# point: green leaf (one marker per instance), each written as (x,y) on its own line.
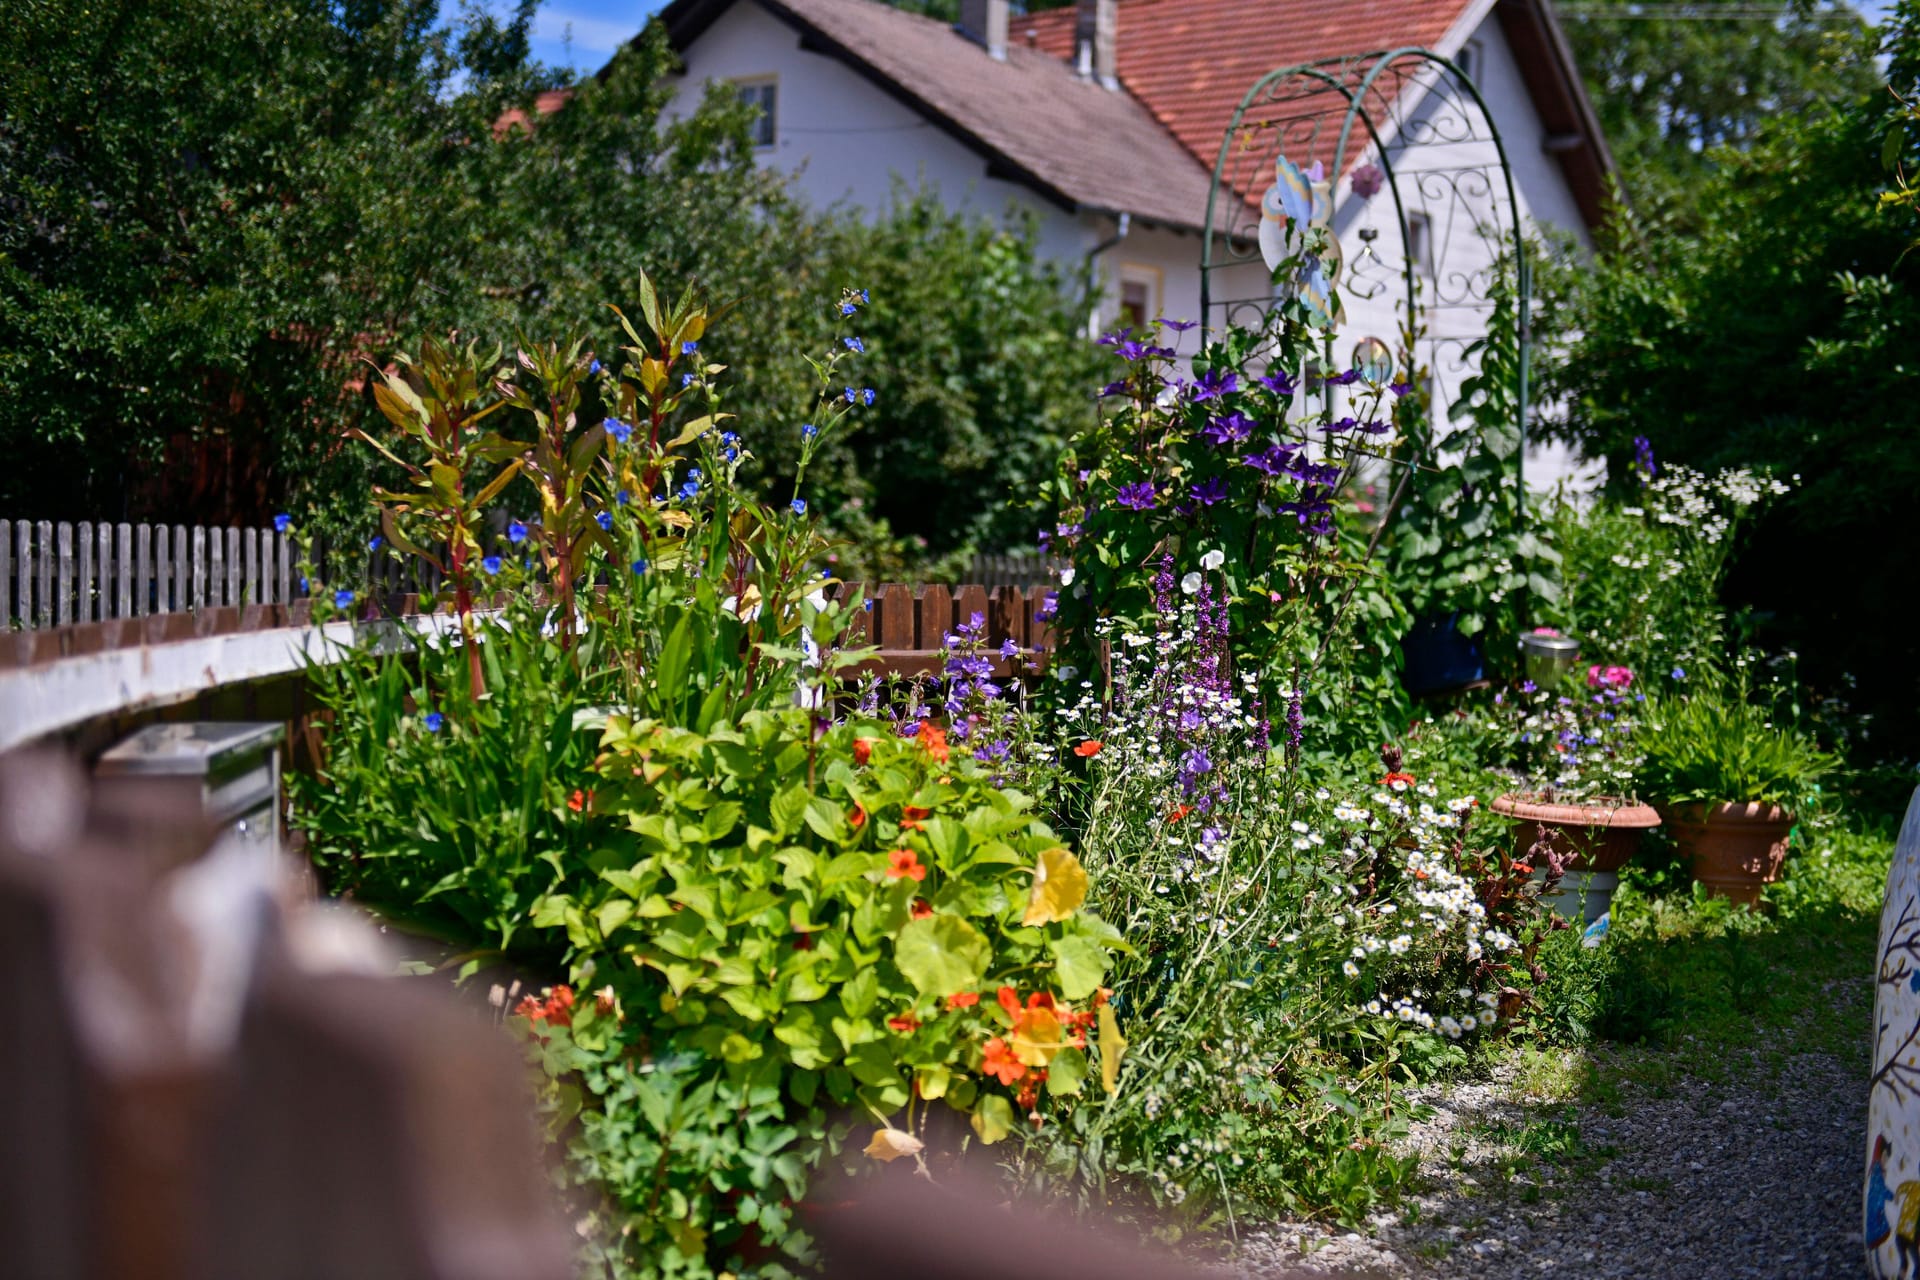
(942,955)
(1079,965)
(859,993)
(993,1118)
(789,808)
(1067,1072)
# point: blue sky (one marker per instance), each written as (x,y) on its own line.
(598,27)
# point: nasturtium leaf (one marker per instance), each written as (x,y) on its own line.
(1079,964)
(889,1145)
(1112,1047)
(1067,1072)
(941,954)
(859,993)
(993,1118)
(961,1093)
(933,1082)
(1059,887)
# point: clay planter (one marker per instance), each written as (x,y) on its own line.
(1593,835)
(1734,848)
(1596,837)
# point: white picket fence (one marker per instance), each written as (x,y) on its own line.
(56,574)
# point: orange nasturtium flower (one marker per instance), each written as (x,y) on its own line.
(856,817)
(922,909)
(579,800)
(963,1000)
(905,862)
(1001,1064)
(862,750)
(1179,812)
(914,818)
(1088,749)
(905,1024)
(934,739)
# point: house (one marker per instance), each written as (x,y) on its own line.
(1104,121)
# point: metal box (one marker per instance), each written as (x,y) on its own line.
(232,769)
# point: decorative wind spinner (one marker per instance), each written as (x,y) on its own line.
(1298,200)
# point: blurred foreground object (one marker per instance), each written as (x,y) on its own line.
(207,1076)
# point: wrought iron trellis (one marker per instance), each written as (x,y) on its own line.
(1443,174)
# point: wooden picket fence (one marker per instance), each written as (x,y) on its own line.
(59,574)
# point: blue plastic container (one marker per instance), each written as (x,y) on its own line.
(1438,658)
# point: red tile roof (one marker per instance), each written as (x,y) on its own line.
(1191,61)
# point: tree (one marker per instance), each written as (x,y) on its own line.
(1673,80)
(1777,327)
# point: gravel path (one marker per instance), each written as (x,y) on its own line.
(1757,1175)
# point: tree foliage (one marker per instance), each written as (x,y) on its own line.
(1778,327)
(219,213)
(1672,81)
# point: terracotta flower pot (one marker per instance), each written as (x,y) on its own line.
(1734,848)
(1593,835)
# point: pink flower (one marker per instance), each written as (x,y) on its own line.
(1545,631)
(1608,677)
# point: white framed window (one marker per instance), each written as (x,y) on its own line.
(1420,243)
(763,94)
(1140,293)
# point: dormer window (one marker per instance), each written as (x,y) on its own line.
(763,94)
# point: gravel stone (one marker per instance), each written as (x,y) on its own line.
(1758,1176)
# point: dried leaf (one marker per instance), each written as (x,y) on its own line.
(889,1145)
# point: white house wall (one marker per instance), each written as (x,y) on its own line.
(846,141)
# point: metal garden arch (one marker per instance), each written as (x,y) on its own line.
(1419,122)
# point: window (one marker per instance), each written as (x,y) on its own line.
(1468,60)
(763,95)
(1139,296)
(1420,243)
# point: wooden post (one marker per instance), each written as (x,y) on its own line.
(283,561)
(162,571)
(197,589)
(216,562)
(935,617)
(969,600)
(1007,616)
(124,575)
(63,586)
(895,605)
(233,566)
(83,596)
(250,575)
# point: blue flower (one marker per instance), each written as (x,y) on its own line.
(622,498)
(491,564)
(639,566)
(847,308)
(866,397)
(618,430)
(864,297)
(686,379)
(304,586)
(1677,674)
(854,344)
(373,543)
(593,366)
(688,348)
(851,395)
(809,431)
(282,522)
(516,531)
(799,506)
(692,485)
(433,722)
(605,521)
(342,598)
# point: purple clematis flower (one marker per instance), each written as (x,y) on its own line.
(1210,491)
(1278,383)
(1136,497)
(1232,429)
(1213,384)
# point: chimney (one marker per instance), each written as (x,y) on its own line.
(985,23)
(1096,40)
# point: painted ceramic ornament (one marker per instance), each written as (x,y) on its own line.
(1892,1188)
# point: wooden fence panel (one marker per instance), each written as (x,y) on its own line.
(896,607)
(6,575)
(63,574)
(83,597)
